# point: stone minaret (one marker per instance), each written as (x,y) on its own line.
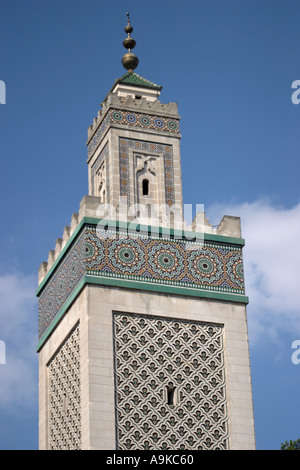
(143,339)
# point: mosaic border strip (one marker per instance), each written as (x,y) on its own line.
(211,267)
(62,283)
(145,121)
(133,119)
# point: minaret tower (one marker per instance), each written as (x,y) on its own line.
(143,339)
(134,147)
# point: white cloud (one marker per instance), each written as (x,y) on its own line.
(272,264)
(18,330)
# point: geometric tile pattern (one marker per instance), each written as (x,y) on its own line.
(64,396)
(133,119)
(145,121)
(170,384)
(209,266)
(62,283)
(145,146)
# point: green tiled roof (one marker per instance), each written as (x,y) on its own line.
(132,78)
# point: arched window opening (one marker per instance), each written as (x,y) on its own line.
(145,187)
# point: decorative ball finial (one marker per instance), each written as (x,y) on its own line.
(128,28)
(129,60)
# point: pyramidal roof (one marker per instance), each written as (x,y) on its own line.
(132,78)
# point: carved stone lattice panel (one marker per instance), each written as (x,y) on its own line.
(64,396)
(170,384)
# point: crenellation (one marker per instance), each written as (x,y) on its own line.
(66,235)
(89,206)
(230,226)
(130,103)
(90,131)
(51,258)
(42,271)
(58,246)
(74,222)
(201,223)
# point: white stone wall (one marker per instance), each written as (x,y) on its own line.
(93,309)
(103,301)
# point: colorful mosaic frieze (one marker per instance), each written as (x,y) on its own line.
(211,266)
(145,121)
(170,384)
(62,283)
(143,146)
(133,119)
(140,261)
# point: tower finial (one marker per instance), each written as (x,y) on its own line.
(129,60)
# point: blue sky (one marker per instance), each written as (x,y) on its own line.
(230,66)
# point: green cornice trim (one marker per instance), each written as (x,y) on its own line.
(140,229)
(162,288)
(140,286)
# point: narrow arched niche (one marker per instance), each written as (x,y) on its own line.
(145,186)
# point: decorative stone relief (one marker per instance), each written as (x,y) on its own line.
(170,384)
(146,147)
(64,412)
(100,175)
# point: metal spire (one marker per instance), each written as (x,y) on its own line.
(129,60)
